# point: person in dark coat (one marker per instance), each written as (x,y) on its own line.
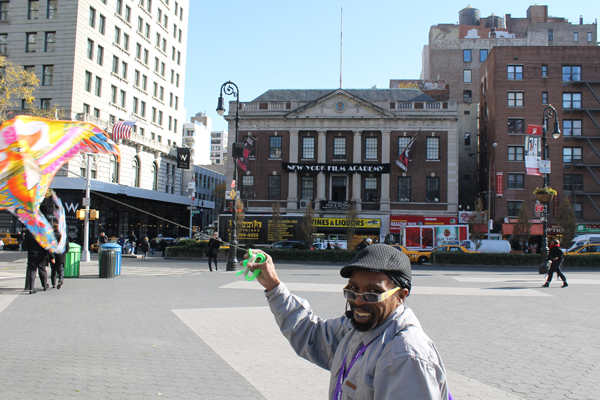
(37,259)
(20,238)
(555,255)
(57,263)
(211,252)
(145,247)
(133,239)
(153,245)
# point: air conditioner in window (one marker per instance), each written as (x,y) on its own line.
(303,203)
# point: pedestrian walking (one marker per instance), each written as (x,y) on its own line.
(375,350)
(37,259)
(555,255)
(133,239)
(20,240)
(1,246)
(57,263)
(211,252)
(145,247)
(361,245)
(102,239)
(153,246)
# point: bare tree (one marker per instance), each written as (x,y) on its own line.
(567,221)
(476,220)
(351,217)
(276,225)
(239,214)
(307,230)
(522,228)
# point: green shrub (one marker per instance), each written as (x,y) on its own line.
(451,257)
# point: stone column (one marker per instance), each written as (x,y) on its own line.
(321,159)
(356,179)
(384,202)
(292,200)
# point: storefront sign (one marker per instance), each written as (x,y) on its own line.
(499,184)
(588,228)
(397,222)
(183,158)
(340,168)
(508,220)
(343,222)
(335,205)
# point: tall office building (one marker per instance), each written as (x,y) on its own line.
(103,61)
(456,52)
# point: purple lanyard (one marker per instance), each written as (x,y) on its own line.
(344,373)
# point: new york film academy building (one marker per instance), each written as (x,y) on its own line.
(334,147)
(517,84)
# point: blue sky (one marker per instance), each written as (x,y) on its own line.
(283,44)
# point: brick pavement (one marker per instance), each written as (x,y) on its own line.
(171,329)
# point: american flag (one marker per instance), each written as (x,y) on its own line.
(122,130)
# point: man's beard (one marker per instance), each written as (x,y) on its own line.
(365,326)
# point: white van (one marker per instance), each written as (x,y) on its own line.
(494,246)
(584,239)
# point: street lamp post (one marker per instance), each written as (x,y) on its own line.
(549,113)
(231,88)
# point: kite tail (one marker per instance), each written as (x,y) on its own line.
(41,229)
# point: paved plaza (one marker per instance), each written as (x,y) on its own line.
(172,329)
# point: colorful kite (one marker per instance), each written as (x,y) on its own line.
(31,152)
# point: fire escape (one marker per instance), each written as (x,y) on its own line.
(592,137)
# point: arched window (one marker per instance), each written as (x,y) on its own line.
(114,169)
(135,167)
(154,176)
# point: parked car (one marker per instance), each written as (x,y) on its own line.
(332,245)
(414,255)
(585,249)
(288,244)
(10,240)
(494,246)
(452,247)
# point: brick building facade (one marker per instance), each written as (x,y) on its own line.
(334,147)
(516,85)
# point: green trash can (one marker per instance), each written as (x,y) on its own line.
(72,260)
(107,262)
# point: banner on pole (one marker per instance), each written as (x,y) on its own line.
(533,151)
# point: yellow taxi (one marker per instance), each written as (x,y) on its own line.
(452,247)
(95,246)
(10,240)
(414,255)
(585,249)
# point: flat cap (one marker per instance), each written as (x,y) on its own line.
(380,258)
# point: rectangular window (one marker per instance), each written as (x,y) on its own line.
(119,8)
(100,55)
(515,99)
(571,73)
(176,102)
(578,209)
(4,10)
(126,41)
(371,148)
(589,36)
(98,88)
(140,25)
(370,190)
(274,187)
(113,94)
(514,72)
(308,148)
(516,153)
(572,182)
(92,21)
(160,118)
(544,97)
(467,139)
(576,36)
(550,35)
(88,81)
(147,31)
(514,207)
(403,141)
(52,9)
(135,105)
(247,186)
(143,109)
(467,96)
(154,114)
(138,51)
(3,42)
(102,24)
(136,78)
(124,70)
(307,187)
(124,99)
(275,147)
(45,103)
(96,112)
(544,71)
(467,76)
(34,9)
(86,108)
(127,13)
(339,148)
(516,126)
(404,188)
(31,44)
(516,181)
(90,49)
(144,83)
(571,100)
(483,53)
(47,75)
(432,194)
(50,42)
(572,154)
(433,148)
(145,56)
(466,55)
(117,35)
(115,65)
(572,127)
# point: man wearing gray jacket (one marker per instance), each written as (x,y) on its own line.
(377,350)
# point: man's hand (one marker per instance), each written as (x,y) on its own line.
(267,277)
